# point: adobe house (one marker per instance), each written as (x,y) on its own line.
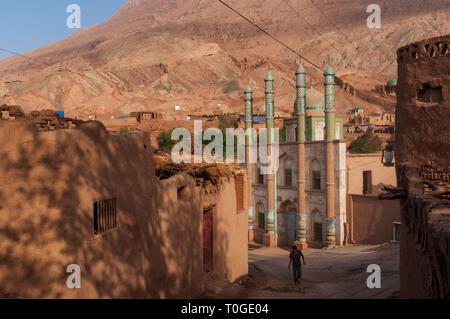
(87,197)
(370,220)
(224,206)
(225,227)
(146,116)
(422,153)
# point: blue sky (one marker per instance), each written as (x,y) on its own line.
(29,24)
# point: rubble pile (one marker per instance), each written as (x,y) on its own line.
(45,120)
(49,120)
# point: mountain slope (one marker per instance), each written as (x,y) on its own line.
(154,54)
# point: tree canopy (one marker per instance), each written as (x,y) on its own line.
(367,143)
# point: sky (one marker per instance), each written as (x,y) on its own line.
(26,25)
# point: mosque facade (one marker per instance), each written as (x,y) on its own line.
(304,201)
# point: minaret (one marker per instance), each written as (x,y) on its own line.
(248,99)
(300,109)
(269,236)
(330,123)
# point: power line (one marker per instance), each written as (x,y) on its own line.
(337,28)
(23,56)
(331,21)
(270,35)
(311,26)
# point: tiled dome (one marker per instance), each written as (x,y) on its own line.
(315,101)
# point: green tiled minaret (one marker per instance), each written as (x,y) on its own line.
(300,109)
(330,123)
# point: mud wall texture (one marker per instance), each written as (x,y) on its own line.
(49,182)
(230,232)
(371,219)
(425,241)
(422,153)
(423,105)
(358,163)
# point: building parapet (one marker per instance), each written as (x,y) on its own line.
(426,49)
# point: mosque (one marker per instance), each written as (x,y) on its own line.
(304,201)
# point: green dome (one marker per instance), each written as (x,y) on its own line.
(392,82)
(315,100)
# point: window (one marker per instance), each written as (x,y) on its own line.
(239,188)
(288,177)
(315,176)
(105,217)
(367,182)
(261,221)
(260,177)
(396,231)
(428,94)
(316,180)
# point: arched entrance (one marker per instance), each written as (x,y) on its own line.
(287,214)
(316,227)
(260,222)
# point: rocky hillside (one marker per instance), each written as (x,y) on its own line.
(155,54)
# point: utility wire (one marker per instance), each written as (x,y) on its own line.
(270,35)
(311,26)
(23,56)
(331,21)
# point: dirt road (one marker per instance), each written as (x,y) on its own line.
(334,273)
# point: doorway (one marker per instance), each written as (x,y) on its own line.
(317,232)
(208,240)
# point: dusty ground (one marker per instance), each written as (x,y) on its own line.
(335,273)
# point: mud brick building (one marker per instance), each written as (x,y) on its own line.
(88,197)
(422,152)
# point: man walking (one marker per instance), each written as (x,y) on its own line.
(294,260)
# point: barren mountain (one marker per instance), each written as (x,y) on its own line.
(198,54)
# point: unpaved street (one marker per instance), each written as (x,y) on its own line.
(329,273)
(334,273)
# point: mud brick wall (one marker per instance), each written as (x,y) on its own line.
(425,242)
(423,104)
(422,152)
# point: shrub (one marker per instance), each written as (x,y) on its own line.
(164,140)
(367,143)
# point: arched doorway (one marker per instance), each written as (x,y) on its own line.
(316,226)
(260,222)
(287,214)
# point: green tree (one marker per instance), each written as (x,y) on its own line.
(367,143)
(224,123)
(164,140)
